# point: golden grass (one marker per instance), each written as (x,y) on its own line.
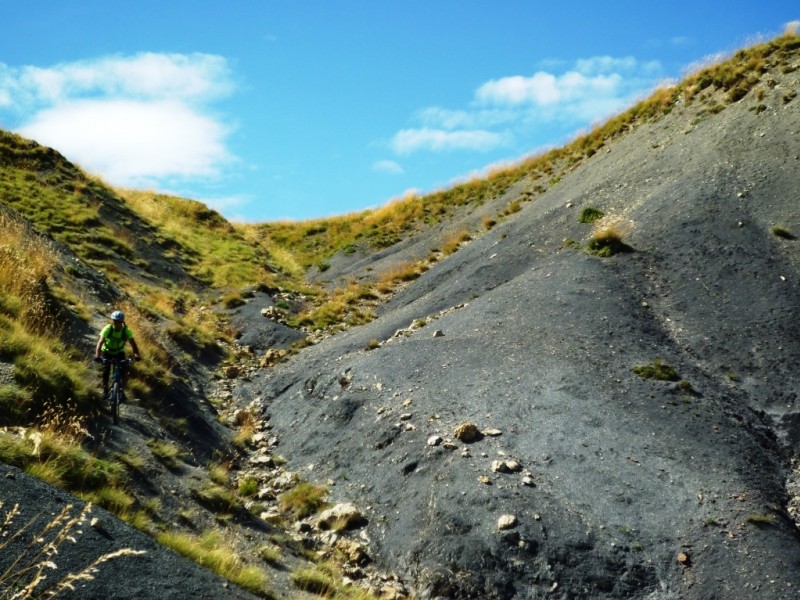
(213,551)
(26,262)
(302,500)
(453,241)
(246,423)
(30,574)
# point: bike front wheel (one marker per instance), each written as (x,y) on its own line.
(114,397)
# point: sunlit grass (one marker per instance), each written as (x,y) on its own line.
(212,551)
(302,500)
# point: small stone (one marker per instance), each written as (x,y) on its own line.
(467,432)
(438,333)
(528,480)
(513,466)
(492,432)
(435,440)
(684,560)
(406,416)
(499,466)
(506,522)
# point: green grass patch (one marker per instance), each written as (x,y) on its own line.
(167,453)
(302,500)
(590,215)
(213,552)
(657,369)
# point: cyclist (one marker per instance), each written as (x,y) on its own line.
(112,345)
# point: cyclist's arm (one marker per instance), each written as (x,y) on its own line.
(135,348)
(97,348)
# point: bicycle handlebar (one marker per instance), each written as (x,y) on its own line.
(111,361)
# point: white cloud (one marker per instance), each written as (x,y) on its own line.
(596,77)
(388,166)
(411,140)
(134,120)
(193,77)
(436,117)
(562,99)
(604,64)
(541,88)
(130,141)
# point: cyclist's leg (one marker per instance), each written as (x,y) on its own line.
(123,379)
(106,373)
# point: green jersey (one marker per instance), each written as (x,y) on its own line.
(113,340)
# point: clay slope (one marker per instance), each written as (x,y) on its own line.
(628,487)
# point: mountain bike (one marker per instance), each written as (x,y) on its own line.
(115,392)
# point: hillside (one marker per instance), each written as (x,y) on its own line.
(629,383)
(629,486)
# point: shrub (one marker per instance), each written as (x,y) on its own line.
(590,215)
(657,369)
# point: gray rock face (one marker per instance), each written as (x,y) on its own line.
(632,487)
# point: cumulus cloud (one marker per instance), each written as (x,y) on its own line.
(388,166)
(411,140)
(541,88)
(132,140)
(132,119)
(509,109)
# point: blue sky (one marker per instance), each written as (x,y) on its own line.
(272,109)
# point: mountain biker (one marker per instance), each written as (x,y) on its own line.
(112,346)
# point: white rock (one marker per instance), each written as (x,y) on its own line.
(513,466)
(499,466)
(506,522)
(435,440)
(342,516)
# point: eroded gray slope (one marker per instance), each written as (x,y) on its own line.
(629,473)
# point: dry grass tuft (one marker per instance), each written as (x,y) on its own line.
(26,577)
(607,237)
